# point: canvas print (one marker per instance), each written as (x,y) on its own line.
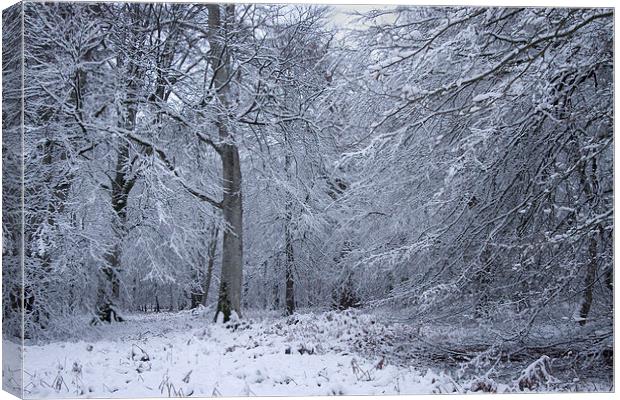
(207,200)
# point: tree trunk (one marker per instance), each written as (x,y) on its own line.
(288,248)
(109,282)
(583,308)
(109,279)
(609,278)
(172,299)
(134,294)
(290,284)
(229,299)
(210,262)
(585,304)
(483,280)
(276,296)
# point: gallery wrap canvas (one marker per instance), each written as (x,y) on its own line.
(208,200)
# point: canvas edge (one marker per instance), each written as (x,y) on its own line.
(12,200)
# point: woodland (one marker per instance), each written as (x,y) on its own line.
(444,171)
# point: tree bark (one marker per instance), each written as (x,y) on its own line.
(210,262)
(288,247)
(609,278)
(229,299)
(586,300)
(585,304)
(290,290)
(483,279)
(121,185)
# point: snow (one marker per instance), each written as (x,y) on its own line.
(410,92)
(537,373)
(316,353)
(486,96)
(185,354)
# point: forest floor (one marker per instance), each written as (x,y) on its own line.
(328,353)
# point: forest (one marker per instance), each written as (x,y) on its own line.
(426,187)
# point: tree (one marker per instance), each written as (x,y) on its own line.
(504,112)
(229,300)
(449,163)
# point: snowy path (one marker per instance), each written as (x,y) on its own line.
(185,354)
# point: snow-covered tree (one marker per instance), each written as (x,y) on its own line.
(492,143)
(450,163)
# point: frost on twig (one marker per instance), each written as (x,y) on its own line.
(537,374)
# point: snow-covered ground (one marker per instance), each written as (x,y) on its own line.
(185,354)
